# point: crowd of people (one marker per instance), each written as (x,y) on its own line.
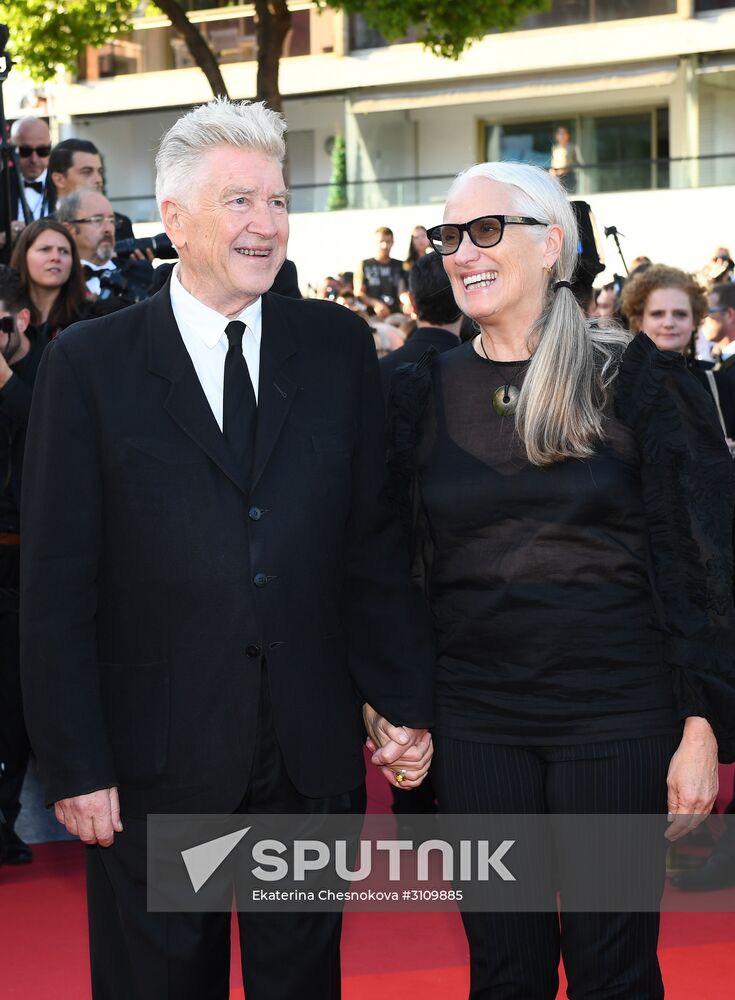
(219,566)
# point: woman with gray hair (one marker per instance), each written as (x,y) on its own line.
(558,475)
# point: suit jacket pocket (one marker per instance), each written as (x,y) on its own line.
(136,702)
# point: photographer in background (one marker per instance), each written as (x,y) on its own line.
(20,352)
(89,218)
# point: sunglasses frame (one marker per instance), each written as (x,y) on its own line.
(464,227)
(30,150)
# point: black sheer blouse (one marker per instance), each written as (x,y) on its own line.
(563,606)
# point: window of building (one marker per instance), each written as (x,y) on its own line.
(559,13)
(618,152)
(701,6)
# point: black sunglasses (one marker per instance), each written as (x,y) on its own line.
(487,231)
(25,151)
(7,324)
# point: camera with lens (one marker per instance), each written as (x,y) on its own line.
(130,283)
(160,246)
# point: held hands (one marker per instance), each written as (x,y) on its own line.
(398,750)
(692,779)
(94,818)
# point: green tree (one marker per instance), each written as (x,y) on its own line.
(338,181)
(46,34)
(445,27)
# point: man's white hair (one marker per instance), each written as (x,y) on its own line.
(244,124)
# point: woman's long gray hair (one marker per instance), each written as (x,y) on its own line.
(559,412)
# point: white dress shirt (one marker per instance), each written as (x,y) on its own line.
(34,199)
(93,283)
(203,332)
(728,350)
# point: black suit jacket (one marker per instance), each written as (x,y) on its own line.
(154,577)
(414,349)
(48,195)
(725,381)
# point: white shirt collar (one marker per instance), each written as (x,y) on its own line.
(110,265)
(728,350)
(208,323)
(41,179)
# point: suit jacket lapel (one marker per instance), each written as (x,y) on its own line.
(276,390)
(186,402)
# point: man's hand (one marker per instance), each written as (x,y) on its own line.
(692,779)
(94,818)
(398,750)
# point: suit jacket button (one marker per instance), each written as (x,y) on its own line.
(255,513)
(260,579)
(252,651)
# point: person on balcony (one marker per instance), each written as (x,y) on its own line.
(566,158)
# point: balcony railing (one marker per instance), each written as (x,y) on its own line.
(594,178)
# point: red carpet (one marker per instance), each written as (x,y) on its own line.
(390,956)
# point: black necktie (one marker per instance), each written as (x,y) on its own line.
(36,185)
(239,409)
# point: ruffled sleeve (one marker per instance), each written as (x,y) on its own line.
(408,399)
(688,484)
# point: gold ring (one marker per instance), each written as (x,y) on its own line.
(401,775)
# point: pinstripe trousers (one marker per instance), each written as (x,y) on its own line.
(515,956)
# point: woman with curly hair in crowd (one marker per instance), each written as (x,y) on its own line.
(668,306)
(46,258)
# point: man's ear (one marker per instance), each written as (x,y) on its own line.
(58,179)
(172,216)
(22,320)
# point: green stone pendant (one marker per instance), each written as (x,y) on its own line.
(505,400)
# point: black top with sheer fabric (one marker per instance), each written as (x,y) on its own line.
(539,584)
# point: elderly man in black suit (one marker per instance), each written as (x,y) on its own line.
(213,587)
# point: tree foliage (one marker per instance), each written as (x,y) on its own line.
(445,27)
(46,34)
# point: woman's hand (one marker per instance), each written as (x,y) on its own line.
(399,752)
(692,779)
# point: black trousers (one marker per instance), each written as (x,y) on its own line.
(136,955)
(14,745)
(515,956)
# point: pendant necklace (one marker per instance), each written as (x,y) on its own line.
(505,398)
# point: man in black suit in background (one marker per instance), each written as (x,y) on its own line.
(719,329)
(31,196)
(213,587)
(75,164)
(438,318)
